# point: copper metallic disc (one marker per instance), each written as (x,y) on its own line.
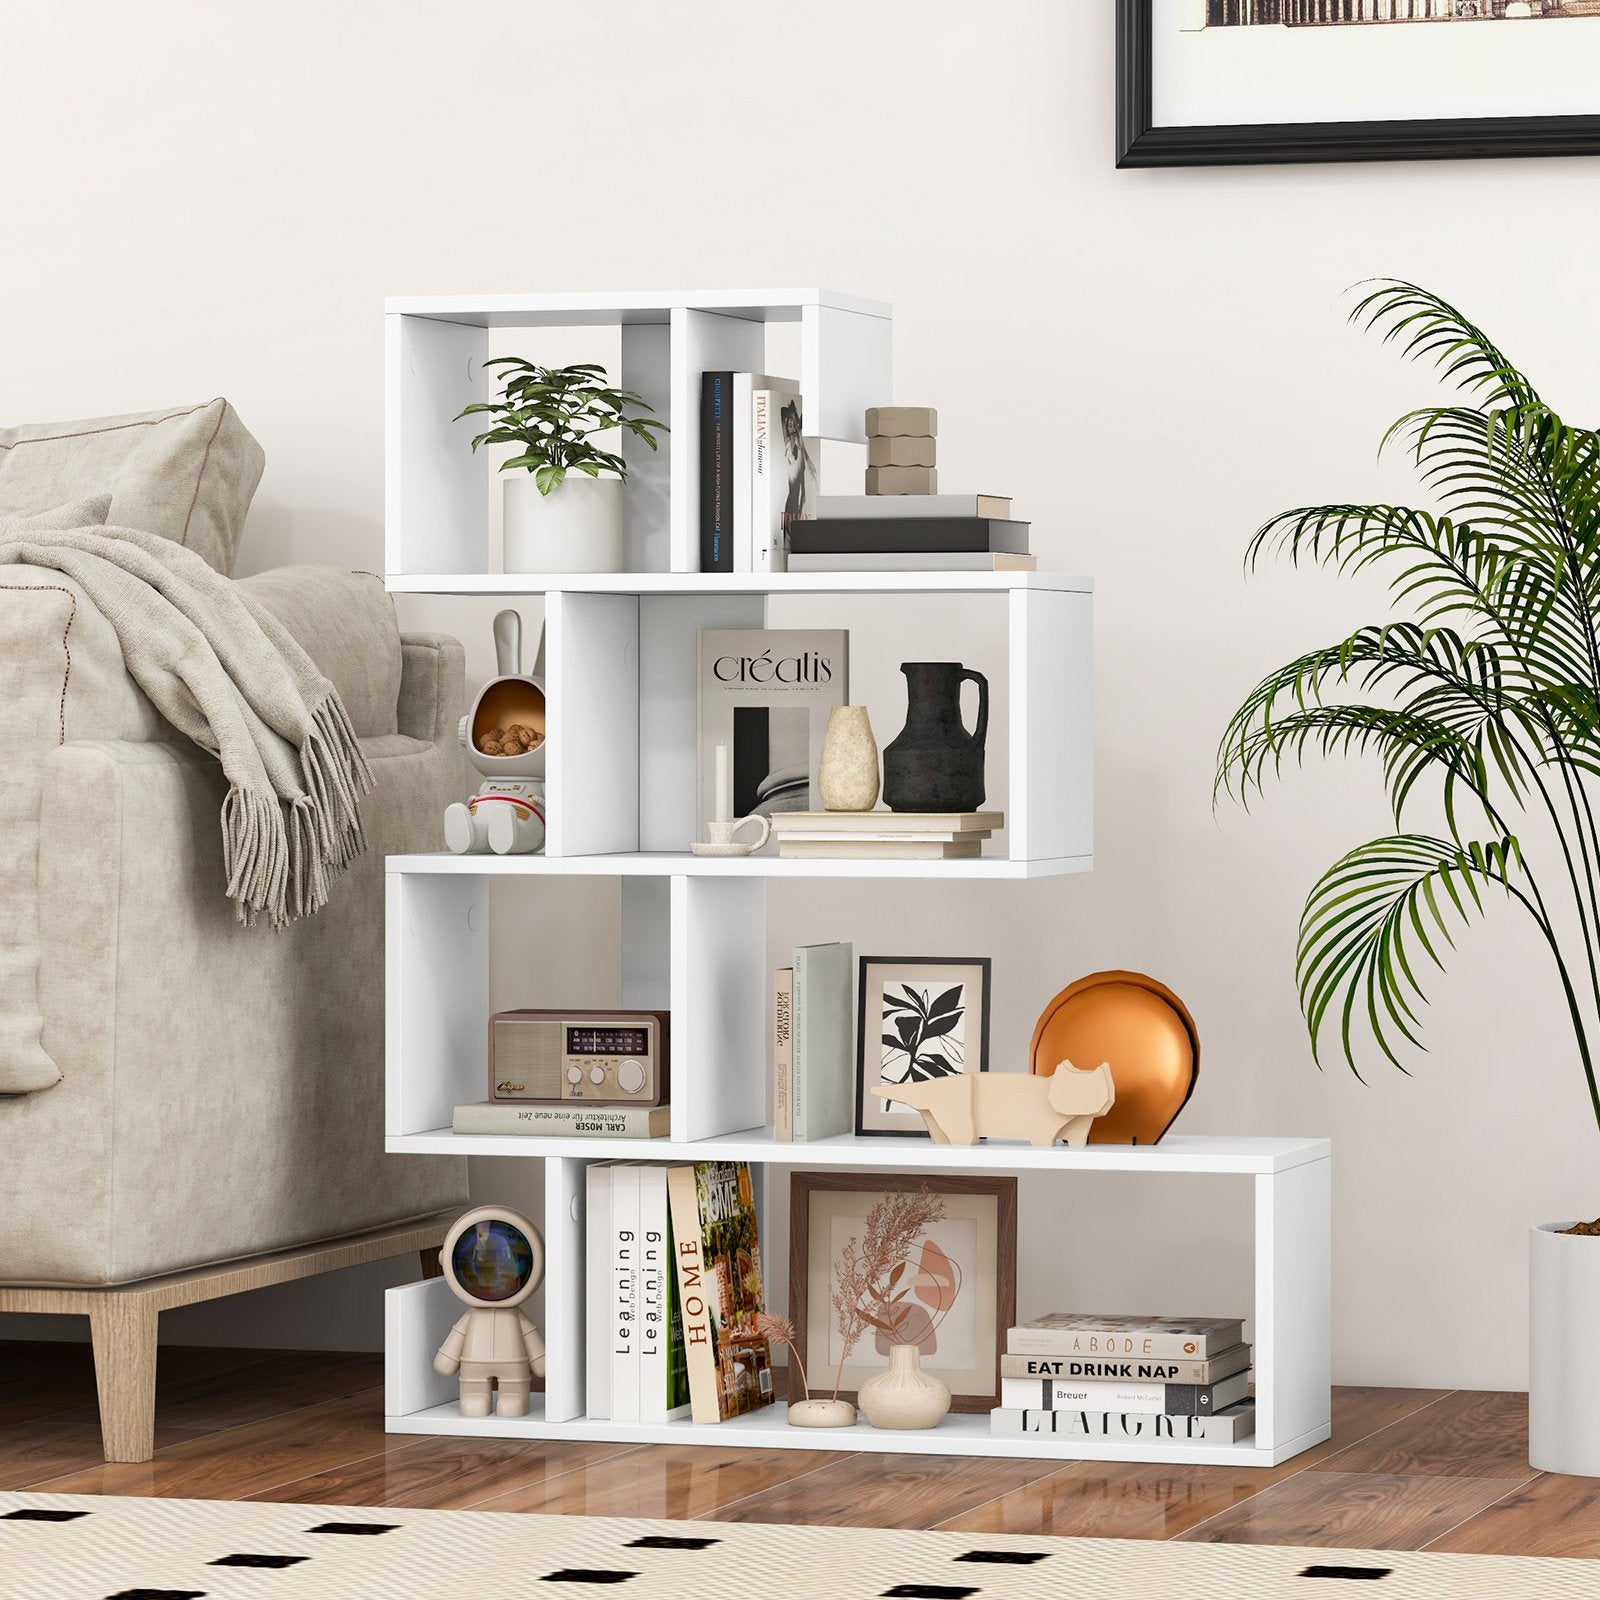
(1144,1030)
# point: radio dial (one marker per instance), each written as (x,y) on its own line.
(597,1074)
(573,1075)
(630,1077)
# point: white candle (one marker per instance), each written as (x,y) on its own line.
(724,790)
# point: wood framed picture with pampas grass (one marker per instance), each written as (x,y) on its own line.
(884,1258)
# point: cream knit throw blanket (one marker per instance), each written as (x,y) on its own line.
(225,672)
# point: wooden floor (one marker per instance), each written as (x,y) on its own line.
(1406,1469)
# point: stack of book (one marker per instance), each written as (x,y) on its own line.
(1104,1377)
(884,835)
(672,1292)
(910,533)
(813,1044)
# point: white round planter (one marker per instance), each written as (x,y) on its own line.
(575,528)
(1563,1351)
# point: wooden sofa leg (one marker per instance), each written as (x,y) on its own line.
(123,1328)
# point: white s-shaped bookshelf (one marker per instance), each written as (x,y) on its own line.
(621,782)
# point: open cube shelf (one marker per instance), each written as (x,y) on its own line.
(437,490)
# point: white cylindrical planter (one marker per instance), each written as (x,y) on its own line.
(1563,1351)
(577,527)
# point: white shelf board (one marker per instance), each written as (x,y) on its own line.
(720,583)
(1178,1153)
(675,863)
(632,306)
(963,1434)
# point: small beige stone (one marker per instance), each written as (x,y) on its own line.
(908,450)
(902,480)
(888,422)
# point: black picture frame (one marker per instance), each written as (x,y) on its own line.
(864,966)
(1141,144)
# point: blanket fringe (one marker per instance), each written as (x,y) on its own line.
(280,855)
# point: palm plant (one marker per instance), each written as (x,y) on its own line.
(1491,692)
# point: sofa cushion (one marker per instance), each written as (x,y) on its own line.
(345,622)
(186,474)
(86,513)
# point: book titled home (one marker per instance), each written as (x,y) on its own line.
(1061,1333)
(766,694)
(717,1260)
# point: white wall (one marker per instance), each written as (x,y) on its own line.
(206,198)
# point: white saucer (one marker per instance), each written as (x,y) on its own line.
(723,849)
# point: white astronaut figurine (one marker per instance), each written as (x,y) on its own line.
(504,736)
(493,1258)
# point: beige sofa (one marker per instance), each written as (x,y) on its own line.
(221,1088)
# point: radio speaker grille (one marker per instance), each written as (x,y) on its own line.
(529,1053)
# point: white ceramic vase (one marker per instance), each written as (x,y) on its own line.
(821,1414)
(577,527)
(847,777)
(904,1396)
(1563,1371)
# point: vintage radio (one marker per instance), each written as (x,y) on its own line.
(600,1057)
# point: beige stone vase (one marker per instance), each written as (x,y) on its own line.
(904,1396)
(847,779)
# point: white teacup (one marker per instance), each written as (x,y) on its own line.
(724,838)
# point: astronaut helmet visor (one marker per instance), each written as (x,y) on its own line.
(492,1261)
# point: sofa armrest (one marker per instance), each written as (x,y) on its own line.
(432,687)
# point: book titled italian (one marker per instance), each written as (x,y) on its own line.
(717,1260)
(1062,1333)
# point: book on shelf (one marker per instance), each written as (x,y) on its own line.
(660,1398)
(936,823)
(597,1289)
(1128,1369)
(717,1260)
(742,391)
(783,471)
(865,849)
(913,561)
(783,1055)
(824,1035)
(625,1374)
(563,1121)
(1221,1427)
(917,535)
(1062,1333)
(766,693)
(716,472)
(1157,1399)
(893,507)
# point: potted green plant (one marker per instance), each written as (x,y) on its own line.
(562,492)
(1490,691)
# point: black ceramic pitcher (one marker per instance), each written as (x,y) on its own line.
(934,764)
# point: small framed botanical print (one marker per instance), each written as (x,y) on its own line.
(951,1290)
(917,1018)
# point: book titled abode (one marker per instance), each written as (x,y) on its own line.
(717,1264)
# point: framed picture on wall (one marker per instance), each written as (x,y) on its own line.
(917,1018)
(962,1294)
(1225,82)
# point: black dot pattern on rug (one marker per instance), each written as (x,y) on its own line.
(927,1591)
(257,1561)
(157,1594)
(587,1575)
(42,1514)
(1006,1558)
(1347,1572)
(354,1527)
(666,1541)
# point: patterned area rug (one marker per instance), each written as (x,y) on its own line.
(79,1547)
